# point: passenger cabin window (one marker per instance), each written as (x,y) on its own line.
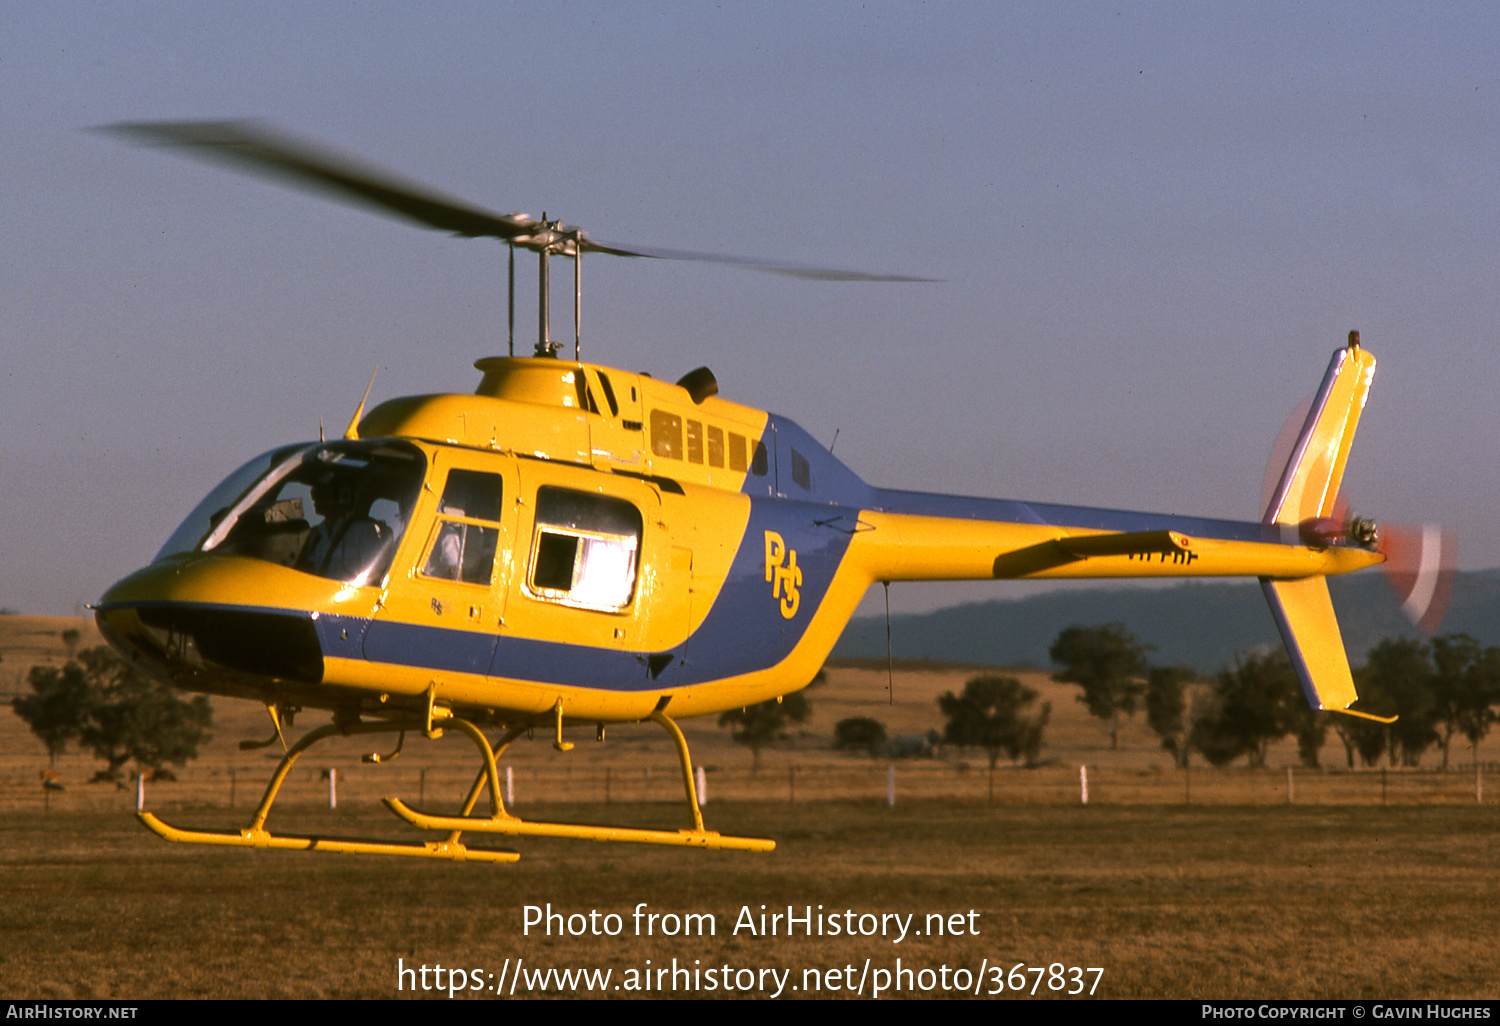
(468,529)
(801,471)
(585,396)
(666,434)
(584,550)
(609,394)
(707,444)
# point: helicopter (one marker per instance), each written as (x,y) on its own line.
(577,544)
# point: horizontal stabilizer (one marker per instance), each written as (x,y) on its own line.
(1130,543)
(1058,552)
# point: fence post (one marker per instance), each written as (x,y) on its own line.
(701,779)
(1290,786)
(140,791)
(1478,785)
(510,787)
(890,785)
(1083,785)
(333,788)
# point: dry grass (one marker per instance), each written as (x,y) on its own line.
(1235,895)
(1171,902)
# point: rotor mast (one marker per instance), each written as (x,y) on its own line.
(549,238)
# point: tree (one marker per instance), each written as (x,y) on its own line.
(1399,670)
(1254,702)
(998,714)
(117,712)
(759,725)
(1482,694)
(859,732)
(1208,733)
(1365,738)
(1108,663)
(57,707)
(1166,708)
(1310,728)
(1461,699)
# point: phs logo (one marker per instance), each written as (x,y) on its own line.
(783,574)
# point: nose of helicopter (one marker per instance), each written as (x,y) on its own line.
(221,623)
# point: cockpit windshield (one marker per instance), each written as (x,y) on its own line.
(334,510)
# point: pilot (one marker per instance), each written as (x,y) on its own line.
(346,542)
(447,556)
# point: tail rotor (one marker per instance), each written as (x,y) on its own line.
(1419,563)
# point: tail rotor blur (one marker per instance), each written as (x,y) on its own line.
(1419,563)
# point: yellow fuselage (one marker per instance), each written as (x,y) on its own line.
(580,535)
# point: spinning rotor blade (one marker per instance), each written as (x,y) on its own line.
(1419,565)
(259,150)
(753,264)
(255,149)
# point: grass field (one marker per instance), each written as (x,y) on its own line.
(1170,902)
(1237,894)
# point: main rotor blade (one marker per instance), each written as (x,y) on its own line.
(255,149)
(753,264)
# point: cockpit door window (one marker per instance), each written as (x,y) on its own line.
(467,531)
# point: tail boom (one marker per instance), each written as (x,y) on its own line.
(916,547)
(909,536)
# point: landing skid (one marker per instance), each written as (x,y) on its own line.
(499,821)
(264,839)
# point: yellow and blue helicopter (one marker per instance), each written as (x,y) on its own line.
(576,544)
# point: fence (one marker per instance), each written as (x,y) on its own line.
(442,787)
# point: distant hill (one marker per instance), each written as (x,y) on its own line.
(1196,624)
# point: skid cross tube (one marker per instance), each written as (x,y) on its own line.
(502,822)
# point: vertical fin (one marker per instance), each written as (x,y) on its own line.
(1304,615)
(1307,490)
(1310,483)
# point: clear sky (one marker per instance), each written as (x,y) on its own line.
(1155,222)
